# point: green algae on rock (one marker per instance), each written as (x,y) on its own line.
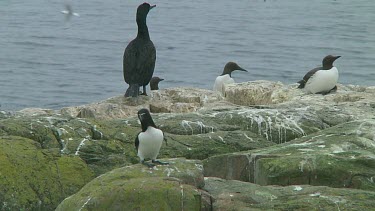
(323,140)
(36,178)
(169,187)
(340,156)
(237,195)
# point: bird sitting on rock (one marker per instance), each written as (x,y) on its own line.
(154,83)
(321,80)
(226,77)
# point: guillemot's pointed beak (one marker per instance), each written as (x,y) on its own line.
(161,79)
(242,69)
(336,57)
(152,6)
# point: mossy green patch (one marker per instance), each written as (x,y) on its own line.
(237,195)
(137,187)
(340,156)
(135,194)
(36,178)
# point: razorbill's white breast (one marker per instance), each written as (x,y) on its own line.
(148,142)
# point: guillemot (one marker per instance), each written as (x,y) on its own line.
(226,77)
(139,56)
(148,142)
(154,83)
(321,80)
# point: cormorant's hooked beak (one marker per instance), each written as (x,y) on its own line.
(152,6)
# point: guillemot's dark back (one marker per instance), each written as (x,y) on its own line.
(139,56)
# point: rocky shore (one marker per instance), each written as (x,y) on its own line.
(262,146)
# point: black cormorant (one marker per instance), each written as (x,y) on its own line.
(139,56)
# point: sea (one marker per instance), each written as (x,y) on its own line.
(50,61)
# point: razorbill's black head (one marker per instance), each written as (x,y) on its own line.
(139,56)
(149,141)
(154,83)
(145,118)
(321,80)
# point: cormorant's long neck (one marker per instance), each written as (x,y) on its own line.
(142,29)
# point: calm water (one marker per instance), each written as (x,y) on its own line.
(48,62)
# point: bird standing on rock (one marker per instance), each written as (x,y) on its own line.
(139,56)
(226,77)
(321,80)
(149,141)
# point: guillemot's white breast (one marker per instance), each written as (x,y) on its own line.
(221,81)
(322,81)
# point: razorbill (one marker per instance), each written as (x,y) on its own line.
(154,83)
(321,80)
(226,77)
(139,56)
(148,142)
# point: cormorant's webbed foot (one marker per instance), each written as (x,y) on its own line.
(159,162)
(144,91)
(150,165)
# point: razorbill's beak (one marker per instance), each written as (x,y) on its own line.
(140,117)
